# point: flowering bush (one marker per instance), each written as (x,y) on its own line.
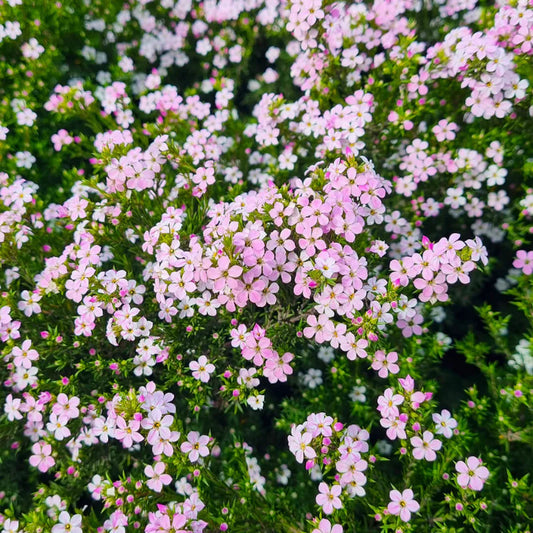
(266,266)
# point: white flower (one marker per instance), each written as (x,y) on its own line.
(315,473)
(358,394)
(443,340)
(10,526)
(384,447)
(256,402)
(312,379)
(282,476)
(326,354)
(68,524)
(272,54)
(24,159)
(437,314)
(523,356)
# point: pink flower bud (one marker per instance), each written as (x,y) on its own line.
(407,383)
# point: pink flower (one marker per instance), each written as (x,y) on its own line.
(425,447)
(325,526)
(257,349)
(10,526)
(524,261)
(224,274)
(42,456)
(319,424)
(352,468)
(385,363)
(157,477)
(388,402)
(12,408)
(329,497)
(407,383)
(403,504)
(238,336)
(76,207)
(472,474)
(195,446)
(399,273)
(354,348)
(157,424)
(278,368)
(24,356)
(445,130)
(395,428)
(299,445)
(321,328)
(248,289)
(4,315)
(128,433)
(202,369)
(68,524)
(28,305)
(444,423)
(65,406)
(58,426)
(326,264)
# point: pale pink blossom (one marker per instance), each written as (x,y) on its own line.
(472,474)
(402,504)
(425,447)
(328,497)
(157,476)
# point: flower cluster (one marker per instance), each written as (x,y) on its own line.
(226,226)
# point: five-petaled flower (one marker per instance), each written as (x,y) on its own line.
(472,474)
(425,447)
(195,446)
(157,476)
(68,524)
(403,504)
(328,497)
